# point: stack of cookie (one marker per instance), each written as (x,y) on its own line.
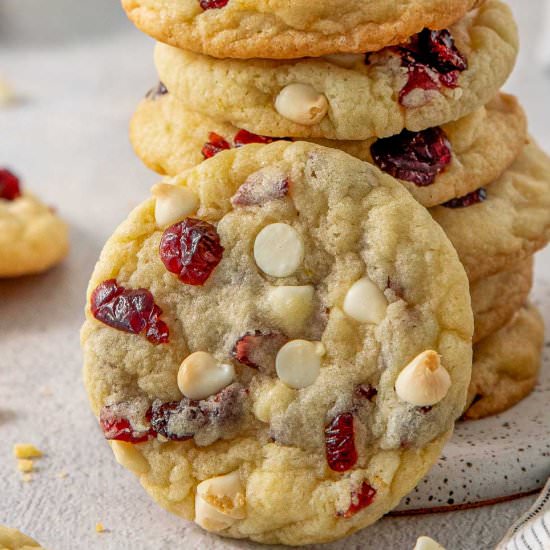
(421,101)
(279,341)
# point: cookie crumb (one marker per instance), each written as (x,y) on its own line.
(99,528)
(7,94)
(26,450)
(26,478)
(62,474)
(25,465)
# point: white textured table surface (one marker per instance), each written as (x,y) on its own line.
(82,69)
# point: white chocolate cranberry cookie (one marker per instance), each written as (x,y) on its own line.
(278,343)
(436,165)
(496,299)
(434,78)
(32,238)
(278,29)
(496,228)
(506,365)
(11,539)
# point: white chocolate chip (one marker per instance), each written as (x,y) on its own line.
(302,104)
(220,502)
(426,543)
(291,306)
(345,60)
(424,381)
(298,363)
(130,457)
(365,302)
(173,203)
(201,376)
(278,250)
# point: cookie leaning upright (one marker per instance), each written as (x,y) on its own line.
(278,343)
(432,78)
(32,237)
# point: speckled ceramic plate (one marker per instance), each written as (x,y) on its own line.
(498,458)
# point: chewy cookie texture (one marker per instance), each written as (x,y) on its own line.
(278,390)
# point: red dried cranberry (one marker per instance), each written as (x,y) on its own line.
(214,145)
(182,420)
(440,51)
(119,428)
(261,187)
(213,4)
(243,137)
(129,310)
(191,249)
(10,188)
(476,197)
(258,349)
(340,443)
(417,157)
(156,92)
(360,499)
(432,60)
(366,391)
(425,410)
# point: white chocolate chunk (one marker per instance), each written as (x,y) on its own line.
(298,363)
(424,381)
(365,302)
(278,250)
(201,376)
(173,203)
(220,502)
(291,306)
(345,60)
(426,543)
(301,103)
(128,455)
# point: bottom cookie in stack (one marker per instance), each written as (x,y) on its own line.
(11,539)
(506,365)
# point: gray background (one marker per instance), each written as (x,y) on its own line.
(81,69)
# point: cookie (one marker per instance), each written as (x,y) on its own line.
(506,365)
(497,299)
(32,238)
(279,30)
(11,539)
(435,78)
(290,355)
(496,228)
(449,162)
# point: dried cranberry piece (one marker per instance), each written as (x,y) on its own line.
(156,92)
(214,145)
(244,137)
(419,77)
(366,391)
(213,4)
(132,311)
(360,499)
(182,420)
(340,443)
(258,349)
(117,427)
(191,249)
(261,187)
(417,157)
(440,51)
(10,187)
(476,197)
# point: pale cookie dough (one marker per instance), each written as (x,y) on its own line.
(273,327)
(32,237)
(510,225)
(11,539)
(170,139)
(506,365)
(278,29)
(317,98)
(497,299)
